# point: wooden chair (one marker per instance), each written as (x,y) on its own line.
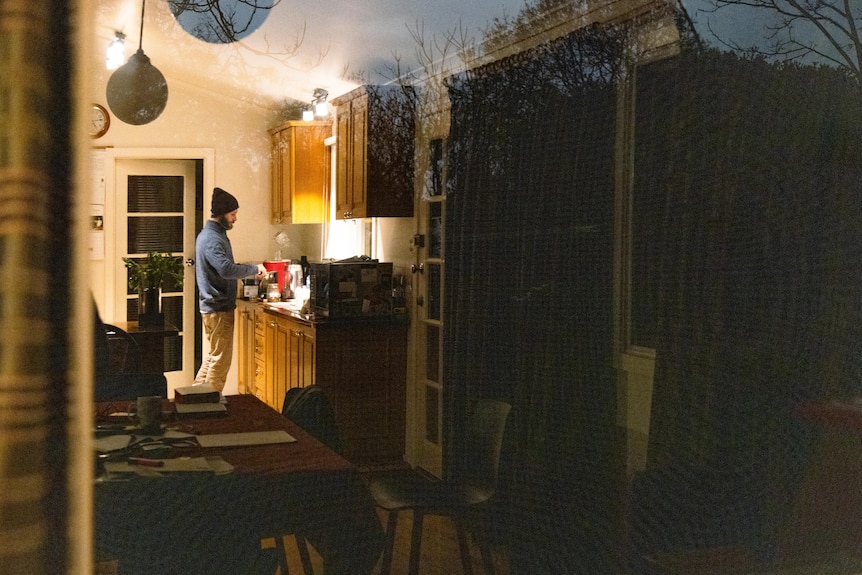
(465,501)
(118,367)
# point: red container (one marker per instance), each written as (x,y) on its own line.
(279,266)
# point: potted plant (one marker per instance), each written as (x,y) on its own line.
(147,276)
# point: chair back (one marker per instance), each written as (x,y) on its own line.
(483,445)
(124,354)
(117,366)
(309,408)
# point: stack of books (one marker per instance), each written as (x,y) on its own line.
(199,399)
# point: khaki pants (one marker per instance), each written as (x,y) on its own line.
(218,327)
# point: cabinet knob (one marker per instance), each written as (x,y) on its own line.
(298,333)
(272,324)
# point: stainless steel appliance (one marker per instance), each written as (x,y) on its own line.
(355,287)
(295,280)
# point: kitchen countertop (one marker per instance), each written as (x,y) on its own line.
(292,310)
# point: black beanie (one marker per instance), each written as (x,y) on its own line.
(223,202)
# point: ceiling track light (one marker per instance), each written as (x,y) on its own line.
(318,103)
(116,53)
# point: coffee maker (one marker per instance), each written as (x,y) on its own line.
(279,268)
(269,287)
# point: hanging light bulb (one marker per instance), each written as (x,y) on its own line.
(116,54)
(137,92)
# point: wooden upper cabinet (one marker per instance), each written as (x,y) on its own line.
(300,172)
(375,152)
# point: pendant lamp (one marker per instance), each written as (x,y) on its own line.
(137,92)
(221,21)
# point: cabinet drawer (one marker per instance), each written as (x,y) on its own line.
(260,380)
(259,346)
(259,322)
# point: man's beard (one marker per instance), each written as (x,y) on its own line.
(223,221)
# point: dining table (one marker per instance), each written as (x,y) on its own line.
(156,516)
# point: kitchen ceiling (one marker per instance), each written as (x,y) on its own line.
(300,46)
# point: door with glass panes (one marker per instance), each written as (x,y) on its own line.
(429,305)
(155,203)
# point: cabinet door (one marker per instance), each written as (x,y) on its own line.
(245,367)
(362,369)
(280,163)
(374,175)
(309,173)
(352,155)
(301,355)
(281,364)
(306,371)
(359,157)
(343,164)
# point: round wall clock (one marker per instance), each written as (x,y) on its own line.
(100,121)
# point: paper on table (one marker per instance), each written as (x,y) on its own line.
(111,442)
(215,465)
(245,438)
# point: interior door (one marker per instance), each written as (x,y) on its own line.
(428,272)
(155,211)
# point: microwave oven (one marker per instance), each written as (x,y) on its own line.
(352,288)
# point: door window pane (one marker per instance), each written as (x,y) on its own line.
(155,234)
(432,408)
(435,187)
(156,194)
(432,353)
(435,230)
(434,284)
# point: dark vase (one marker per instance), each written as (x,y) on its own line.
(150,307)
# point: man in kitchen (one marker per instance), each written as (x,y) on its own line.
(217,275)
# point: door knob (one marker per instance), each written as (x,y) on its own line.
(190,262)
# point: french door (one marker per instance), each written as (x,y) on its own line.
(428,272)
(155,211)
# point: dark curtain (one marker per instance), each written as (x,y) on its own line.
(754,175)
(528,290)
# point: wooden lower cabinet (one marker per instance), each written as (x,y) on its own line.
(360,364)
(245,337)
(362,367)
(251,360)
